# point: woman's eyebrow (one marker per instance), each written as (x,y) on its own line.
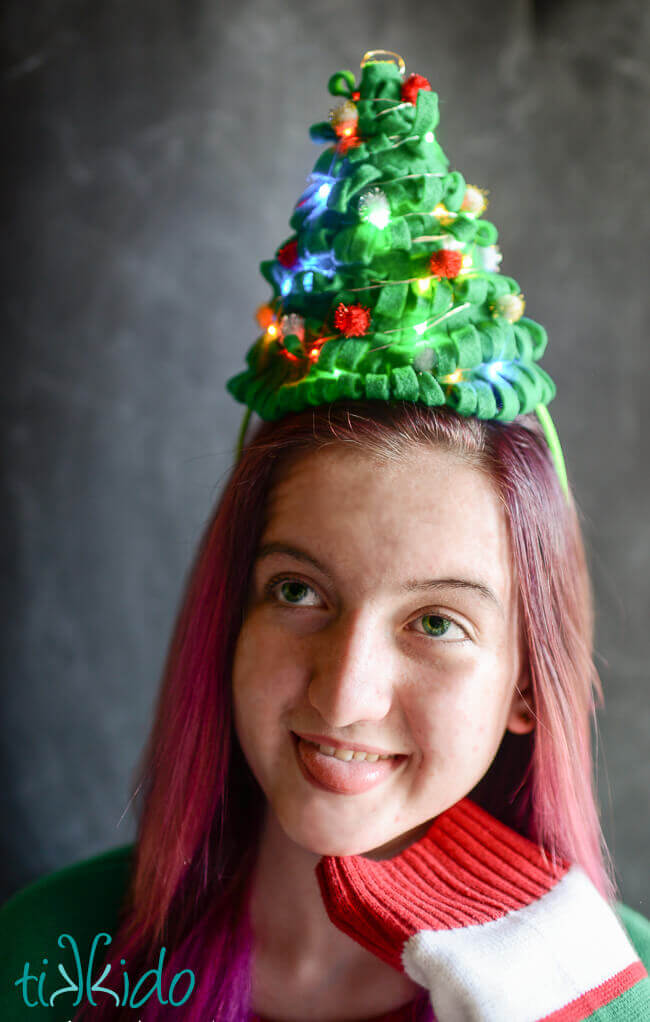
(411,585)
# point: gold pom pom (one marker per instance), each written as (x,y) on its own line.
(344,114)
(511,307)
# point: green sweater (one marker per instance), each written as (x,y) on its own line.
(83,900)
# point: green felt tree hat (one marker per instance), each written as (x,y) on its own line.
(389,286)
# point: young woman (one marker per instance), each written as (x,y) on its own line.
(399,579)
(368,791)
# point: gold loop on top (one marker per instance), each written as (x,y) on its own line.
(387,56)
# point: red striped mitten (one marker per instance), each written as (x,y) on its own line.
(479,916)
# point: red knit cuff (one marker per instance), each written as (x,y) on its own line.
(469,868)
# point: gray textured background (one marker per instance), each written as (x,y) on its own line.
(153,152)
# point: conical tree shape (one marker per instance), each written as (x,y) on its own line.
(389,288)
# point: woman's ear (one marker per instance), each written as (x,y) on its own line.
(521,719)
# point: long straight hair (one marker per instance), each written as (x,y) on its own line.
(200,808)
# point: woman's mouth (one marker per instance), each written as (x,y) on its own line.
(343,771)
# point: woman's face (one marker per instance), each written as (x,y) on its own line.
(383,613)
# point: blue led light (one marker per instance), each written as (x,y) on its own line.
(314,199)
(495,369)
(308,281)
(286,286)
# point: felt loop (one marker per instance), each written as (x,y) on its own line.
(486,407)
(463,228)
(468,346)
(472,290)
(485,233)
(404,383)
(507,400)
(352,186)
(328,355)
(454,190)
(322,132)
(341,83)
(400,235)
(463,397)
(377,386)
(523,342)
(350,353)
(526,385)
(431,392)
(426,112)
(392,300)
(537,334)
(446,356)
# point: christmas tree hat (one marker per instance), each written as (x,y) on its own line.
(389,287)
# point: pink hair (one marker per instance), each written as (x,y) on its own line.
(202,809)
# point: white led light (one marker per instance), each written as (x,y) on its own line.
(495,369)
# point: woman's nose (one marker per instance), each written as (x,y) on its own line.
(352,670)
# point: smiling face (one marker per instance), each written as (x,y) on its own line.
(339,642)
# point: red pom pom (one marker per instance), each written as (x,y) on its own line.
(412,86)
(446,262)
(288,254)
(352,320)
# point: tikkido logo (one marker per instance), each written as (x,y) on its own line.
(82,983)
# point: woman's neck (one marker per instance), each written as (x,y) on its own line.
(299,955)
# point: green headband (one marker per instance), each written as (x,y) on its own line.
(389,287)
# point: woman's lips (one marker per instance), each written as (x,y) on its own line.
(339,776)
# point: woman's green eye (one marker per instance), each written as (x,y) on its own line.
(292,591)
(439,625)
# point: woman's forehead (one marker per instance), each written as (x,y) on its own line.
(428,510)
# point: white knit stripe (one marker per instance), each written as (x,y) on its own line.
(526,964)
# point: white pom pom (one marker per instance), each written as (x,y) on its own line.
(293,324)
(374,207)
(489,257)
(424,359)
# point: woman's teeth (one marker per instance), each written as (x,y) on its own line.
(348,754)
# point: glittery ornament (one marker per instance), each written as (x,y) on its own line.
(352,320)
(412,86)
(288,254)
(474,201)
(511,307)
(374,207)
(344,118)
(446,263)
(293,324)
